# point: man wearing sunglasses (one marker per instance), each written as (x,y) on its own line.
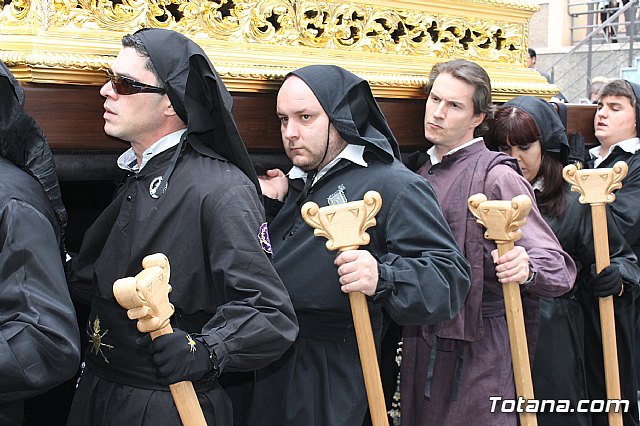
(191,193)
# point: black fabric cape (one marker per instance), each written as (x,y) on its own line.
(553,136)
(24,144)
(423,276)
(354,112)
(625,213)
(39,342)
(210,224)
(568,360)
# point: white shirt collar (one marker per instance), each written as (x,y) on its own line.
(353,153)
(538,184)
(127,161)
(630,146)
(435,160)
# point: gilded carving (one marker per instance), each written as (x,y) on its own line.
(311,23)
(393,42)
(16,11)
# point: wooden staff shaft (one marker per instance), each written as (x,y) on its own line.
(518,341)
(607,318)
(183,394)
(368,356)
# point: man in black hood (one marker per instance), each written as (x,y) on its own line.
(39,341)
(617,129)
(341,147)
(191,193)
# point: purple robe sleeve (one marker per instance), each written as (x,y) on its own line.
(554,268)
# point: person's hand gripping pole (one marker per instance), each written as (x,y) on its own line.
(344,226)
(502,220)
(146,296)
(596,187)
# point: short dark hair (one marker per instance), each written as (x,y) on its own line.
(474,75)
(618,87)
(513,126)
(532,53)
(133,41)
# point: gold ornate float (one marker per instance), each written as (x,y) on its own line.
(254,43)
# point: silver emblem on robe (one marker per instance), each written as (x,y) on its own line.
(337,197)
(155,187)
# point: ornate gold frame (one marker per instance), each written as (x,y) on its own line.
(254,43)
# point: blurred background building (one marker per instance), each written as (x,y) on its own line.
(579,41)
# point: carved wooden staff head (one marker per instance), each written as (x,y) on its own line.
(146,296)
(502,219)
(596,186)
(344,225)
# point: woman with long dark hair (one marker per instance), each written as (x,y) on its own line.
(567,363)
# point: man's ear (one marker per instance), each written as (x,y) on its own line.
(169,111)
(478,119)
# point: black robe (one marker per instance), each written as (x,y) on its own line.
(423,280)
(625,207)
(569,352)
(39,342)
(208,223)
(624,211)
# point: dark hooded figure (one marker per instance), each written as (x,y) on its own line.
(341,147)
(617,128)
(190,193)
(39,342)
(568,361)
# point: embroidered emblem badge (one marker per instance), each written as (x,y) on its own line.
(95,338)
(191,343)
(337,197)
(263,237)
(155,186)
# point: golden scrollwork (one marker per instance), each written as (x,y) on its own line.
(310,23)
(390,40)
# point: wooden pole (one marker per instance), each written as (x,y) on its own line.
(146,296)
(503,220)
(596,187)
(344,226)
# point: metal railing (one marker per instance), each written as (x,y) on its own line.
(600,35)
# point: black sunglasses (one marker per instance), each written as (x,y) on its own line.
(127,86)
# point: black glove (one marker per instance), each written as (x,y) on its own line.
(608,282)
(179,357)
(143,345)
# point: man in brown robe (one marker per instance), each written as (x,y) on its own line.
(449,371)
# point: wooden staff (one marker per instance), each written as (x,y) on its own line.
(503,220)
(146,296)
(344,226)
(596,188)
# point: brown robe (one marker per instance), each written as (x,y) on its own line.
(473,361)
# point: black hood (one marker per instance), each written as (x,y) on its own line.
(351,107)
(553,136)
(198,96)
(23,143)
(636,92)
